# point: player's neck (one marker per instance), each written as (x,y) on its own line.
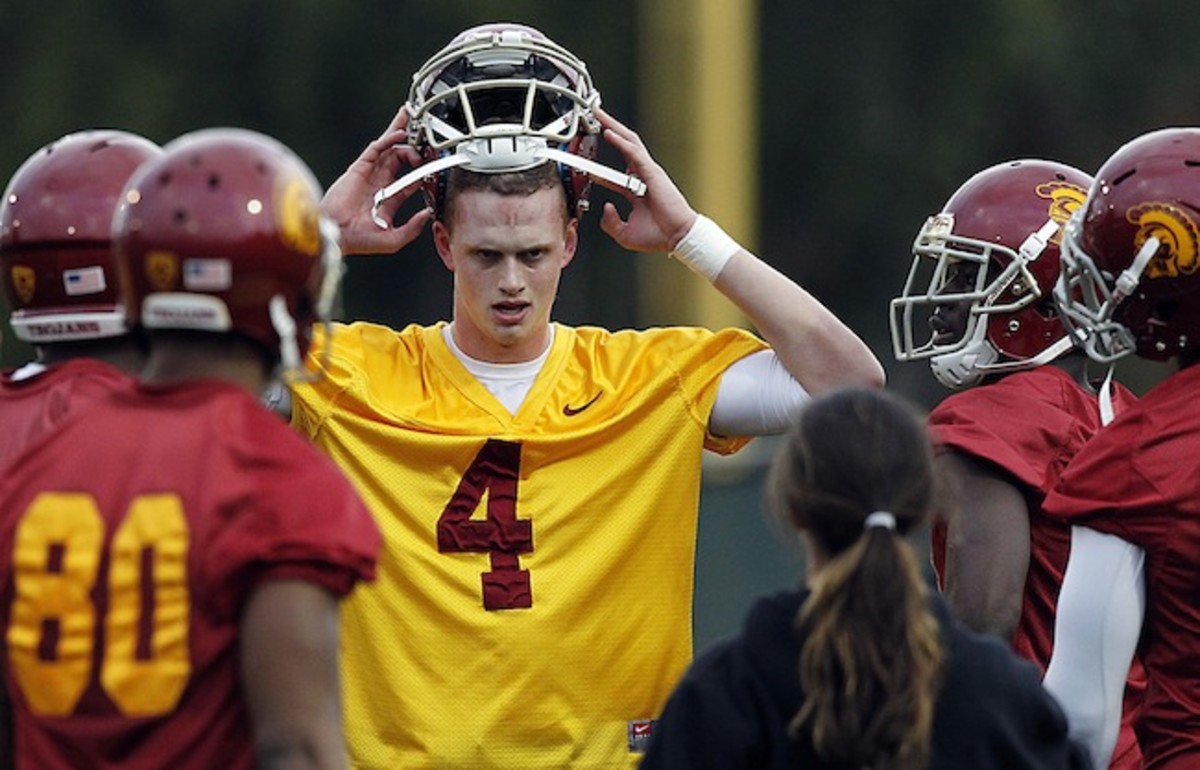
(176,358)
(479,347)
(1075,364)
(120,352)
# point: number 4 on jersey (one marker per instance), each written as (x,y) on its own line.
(495,470)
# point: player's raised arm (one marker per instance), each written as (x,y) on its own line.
(349,201)
(815,347)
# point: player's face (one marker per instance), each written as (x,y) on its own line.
(949,320)
(507,253)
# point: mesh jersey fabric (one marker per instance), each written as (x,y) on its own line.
(1138,480)
(33,406)
(1030,424)
(130,539)
(536,582)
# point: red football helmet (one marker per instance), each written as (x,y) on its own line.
(224,233)
(60,280)
(1130,279)
(992,254)
(504,97)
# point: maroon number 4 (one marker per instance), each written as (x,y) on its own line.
(495,470)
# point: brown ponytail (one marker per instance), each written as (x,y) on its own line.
(871,657)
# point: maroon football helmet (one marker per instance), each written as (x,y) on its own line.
(1001,229)
(504,97)
(1131,256)
(60,279)
(224,233)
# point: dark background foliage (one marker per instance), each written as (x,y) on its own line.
(870,114)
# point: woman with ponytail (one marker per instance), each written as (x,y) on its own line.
(862,668)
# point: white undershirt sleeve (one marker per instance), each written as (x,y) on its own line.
(756,397)
(1096,629)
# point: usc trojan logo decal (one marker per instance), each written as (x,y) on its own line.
(298,217)
(162,269)
(23,282)
(1176,232)
(1064,199)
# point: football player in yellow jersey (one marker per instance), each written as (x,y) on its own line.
(537,484)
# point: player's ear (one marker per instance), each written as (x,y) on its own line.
(570,241)
(441,241)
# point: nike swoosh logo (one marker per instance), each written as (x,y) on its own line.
(571,411)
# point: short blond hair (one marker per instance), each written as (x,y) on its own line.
(524,182)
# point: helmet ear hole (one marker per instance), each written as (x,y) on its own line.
(1046,308)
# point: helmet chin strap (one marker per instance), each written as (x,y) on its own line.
(1107,340)
(977,359)
(500,154)
(285,327)
(1107,410)
(413,177)
(1131,276)
(1051,352)
(1033,246)
(609,177)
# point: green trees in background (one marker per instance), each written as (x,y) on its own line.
(871,112)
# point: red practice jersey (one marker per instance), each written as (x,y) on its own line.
(1139,479)
(1031,424)
(30,407)
(130,539)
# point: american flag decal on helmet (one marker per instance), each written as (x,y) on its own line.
(84,280)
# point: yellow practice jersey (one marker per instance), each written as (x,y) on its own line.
(533,605)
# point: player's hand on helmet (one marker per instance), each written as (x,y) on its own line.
(660,218)
(348,200)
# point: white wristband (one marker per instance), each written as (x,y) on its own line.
(706,248)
